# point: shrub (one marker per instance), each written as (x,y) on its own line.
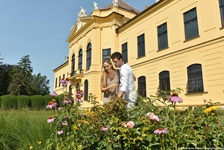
(60,99)
(47,98)
(23,101)
(8,102)
(146,126)
(37,102)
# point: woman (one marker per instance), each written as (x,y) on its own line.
(109,80)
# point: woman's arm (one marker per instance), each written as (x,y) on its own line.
(102,85)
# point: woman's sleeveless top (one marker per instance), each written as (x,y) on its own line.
(112,91)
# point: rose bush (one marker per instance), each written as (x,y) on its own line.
(146,126)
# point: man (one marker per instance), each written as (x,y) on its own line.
(127,86)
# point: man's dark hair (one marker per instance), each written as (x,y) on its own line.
(117,55)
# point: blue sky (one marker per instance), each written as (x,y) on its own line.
(39,28)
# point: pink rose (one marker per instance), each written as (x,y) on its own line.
(130,124)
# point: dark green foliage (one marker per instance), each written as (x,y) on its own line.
(5,78)
(39,85)
(60,99)
(37,102)
(23,101)
(8,102)
(47,98)
(21,77)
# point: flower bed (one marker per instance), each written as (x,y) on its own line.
(146,126)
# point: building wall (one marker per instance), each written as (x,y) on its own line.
(60,73)
(207,49)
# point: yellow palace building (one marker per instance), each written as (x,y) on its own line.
(170,44)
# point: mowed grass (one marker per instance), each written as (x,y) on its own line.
(23,129)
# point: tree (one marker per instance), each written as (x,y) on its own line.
(5,79)
(39,85)
(21,77)
(0,60)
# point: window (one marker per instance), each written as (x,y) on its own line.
(63,76)
(106,53)
(142,86)
(56,82)
(221,5)
(164,81)
(162,36)
(59,84)
(80,60)
(86,87)
(195,79)
(191,24)
(88,58)
(124,48)
(141,45)
(73,65)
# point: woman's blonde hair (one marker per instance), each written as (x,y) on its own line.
(109,61)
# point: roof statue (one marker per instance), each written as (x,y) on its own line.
(115,2)
(95,6)
(82,12)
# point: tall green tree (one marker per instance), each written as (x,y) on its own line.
(5,79)
(39,85)
(21,77)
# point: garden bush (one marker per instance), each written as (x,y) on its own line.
(23,101)
(146,126)
(47,99)
(37,102)
(8,102)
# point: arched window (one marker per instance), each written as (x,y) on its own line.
(142,86)
(88,58)
(164,81)
(73,65)
(80,59)
(86,87)
(195,79)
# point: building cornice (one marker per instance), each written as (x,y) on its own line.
(61,66)
(149,10)
(94,19)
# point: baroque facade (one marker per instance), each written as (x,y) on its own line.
(170,44)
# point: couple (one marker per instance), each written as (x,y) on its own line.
(118,82)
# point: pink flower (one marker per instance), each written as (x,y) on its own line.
(174,98)
(50,119)
(60,132)
(130,124)
(152,116)
(54,94)
(60,108)
(105,128)
(161,131)
(51,105)
(124,124)
(66,101)
(65,123)
(78,100)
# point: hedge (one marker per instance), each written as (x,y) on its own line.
(37,102)
(8,102)
(23,101)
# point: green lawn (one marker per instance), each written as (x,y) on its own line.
(23,129)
